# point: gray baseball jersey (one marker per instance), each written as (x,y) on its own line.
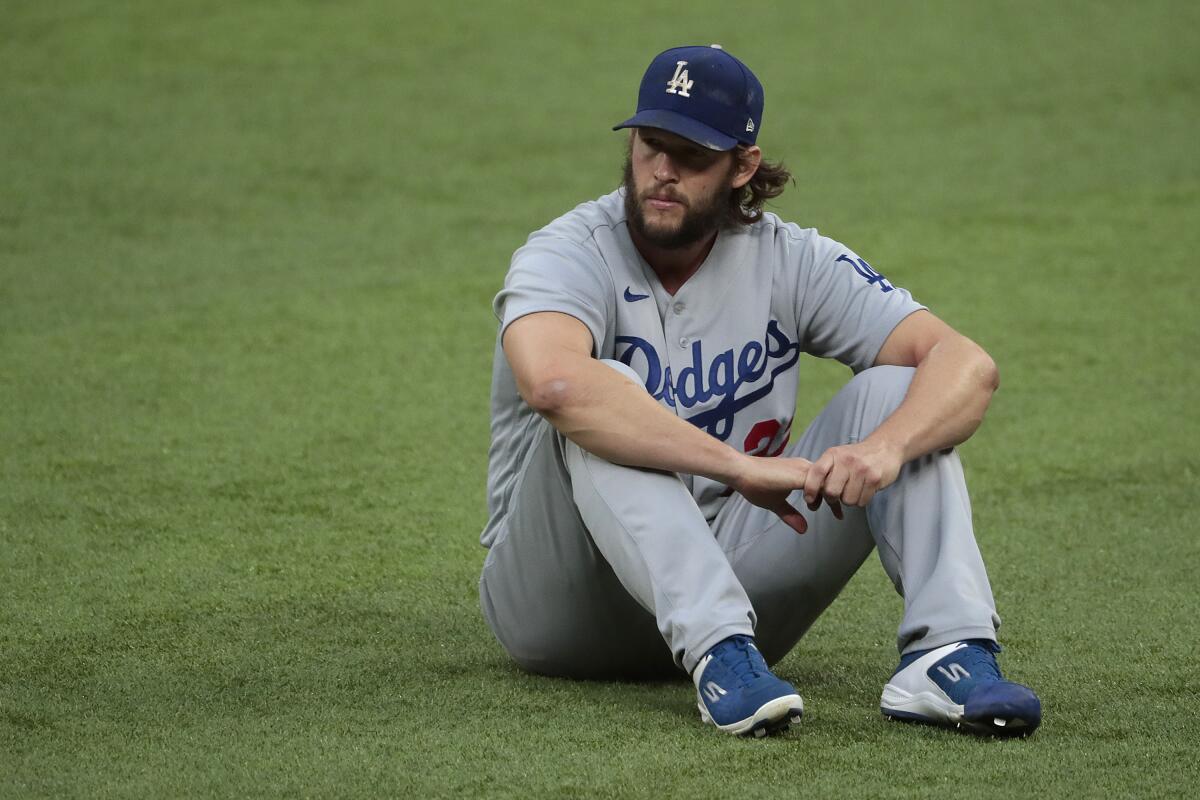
(722,352)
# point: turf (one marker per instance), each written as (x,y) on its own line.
(247,254)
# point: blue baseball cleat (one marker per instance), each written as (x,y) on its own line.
(960,685)
(738,693)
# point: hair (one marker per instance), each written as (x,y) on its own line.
(767,183)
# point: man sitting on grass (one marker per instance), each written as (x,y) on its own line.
(643,496)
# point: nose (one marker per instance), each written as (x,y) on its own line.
(664,170)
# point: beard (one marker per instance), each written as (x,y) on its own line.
(700,219)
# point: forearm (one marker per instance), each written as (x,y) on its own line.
(945,403)
(605,413)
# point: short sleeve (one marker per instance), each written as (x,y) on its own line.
(847,309)
(551,273)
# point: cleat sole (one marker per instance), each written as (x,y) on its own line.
(999,728)
(770,728)
(928,709)
(771,717)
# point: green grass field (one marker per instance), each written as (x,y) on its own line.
(247,254)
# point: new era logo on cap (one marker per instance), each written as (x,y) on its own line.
(701,93)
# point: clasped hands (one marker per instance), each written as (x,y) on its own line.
(848,474)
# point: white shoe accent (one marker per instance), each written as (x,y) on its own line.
(956,672)
(912,692)
(699,670)
(713,692)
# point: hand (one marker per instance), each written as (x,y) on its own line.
(767,482)
(852,473)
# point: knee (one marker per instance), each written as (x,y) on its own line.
(887,383)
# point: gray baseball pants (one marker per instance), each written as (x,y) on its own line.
(608,571)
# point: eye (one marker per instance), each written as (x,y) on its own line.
(696,157)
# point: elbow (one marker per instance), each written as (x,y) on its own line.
(975,368)
(552,395)
(985,371)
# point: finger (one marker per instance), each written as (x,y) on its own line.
(871,485)
(853,491)
(835,483)
(791,517)
(815,478)
(836,508)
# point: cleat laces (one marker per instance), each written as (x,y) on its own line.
(977,659)
(744,661)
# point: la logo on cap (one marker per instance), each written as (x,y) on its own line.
(679,84)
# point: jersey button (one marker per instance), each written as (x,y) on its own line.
(684,341)
(679,308)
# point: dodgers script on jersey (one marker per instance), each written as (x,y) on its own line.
(722,353)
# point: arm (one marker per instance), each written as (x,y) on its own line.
(950,391)
(607,414)
(945,404)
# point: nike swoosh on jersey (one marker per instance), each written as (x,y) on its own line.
(630,297)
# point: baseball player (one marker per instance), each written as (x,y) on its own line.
(647,512)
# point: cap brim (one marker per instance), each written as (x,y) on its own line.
(680,125)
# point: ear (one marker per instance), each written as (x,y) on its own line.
(747,164)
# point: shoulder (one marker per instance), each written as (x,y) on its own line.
(574,253)
(788,243)
(577,229)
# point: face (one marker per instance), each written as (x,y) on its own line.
(676,191)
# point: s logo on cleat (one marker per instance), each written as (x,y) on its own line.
(955,673)
(713,692)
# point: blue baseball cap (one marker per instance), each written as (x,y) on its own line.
(700,93)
